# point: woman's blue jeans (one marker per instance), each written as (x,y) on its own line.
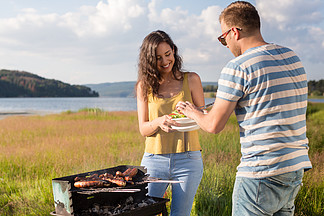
(186,166)
(267,196)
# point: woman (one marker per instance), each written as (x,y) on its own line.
(169,154)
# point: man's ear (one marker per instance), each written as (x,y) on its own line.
(236,33)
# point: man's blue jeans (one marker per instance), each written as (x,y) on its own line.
(267,196)
(186,166)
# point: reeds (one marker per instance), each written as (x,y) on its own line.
(36,149)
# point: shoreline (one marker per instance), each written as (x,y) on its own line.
(4,114)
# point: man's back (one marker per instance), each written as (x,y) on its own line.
(270,86)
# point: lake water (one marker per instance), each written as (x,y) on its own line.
(316,100)
(56,105)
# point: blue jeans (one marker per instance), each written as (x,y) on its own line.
(267,196)
(186,166)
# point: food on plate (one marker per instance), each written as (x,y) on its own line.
(176,114)
(120,179)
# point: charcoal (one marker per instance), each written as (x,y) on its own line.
(128,205)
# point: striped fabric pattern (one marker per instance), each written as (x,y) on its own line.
(269,85)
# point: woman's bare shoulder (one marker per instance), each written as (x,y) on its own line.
(193,77)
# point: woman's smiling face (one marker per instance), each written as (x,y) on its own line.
(164,57)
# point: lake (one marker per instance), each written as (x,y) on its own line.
(57,105)
(12,106)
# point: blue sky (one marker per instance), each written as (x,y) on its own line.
(92,41)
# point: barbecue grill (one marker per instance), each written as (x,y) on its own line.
(131,200)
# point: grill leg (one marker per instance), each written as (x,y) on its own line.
(164,210)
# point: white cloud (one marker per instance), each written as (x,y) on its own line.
(100,42)
(210,21)
(296,24)
(290,13)
(195,35)
(111,17)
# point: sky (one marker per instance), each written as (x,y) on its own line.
(93,41)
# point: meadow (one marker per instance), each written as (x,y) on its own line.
(36,149)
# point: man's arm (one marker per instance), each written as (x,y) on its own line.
(215,120)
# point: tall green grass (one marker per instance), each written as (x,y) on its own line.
(36,149)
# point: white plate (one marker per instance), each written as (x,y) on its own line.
(187,128)
(183,120)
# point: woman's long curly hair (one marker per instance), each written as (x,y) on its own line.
(148,74)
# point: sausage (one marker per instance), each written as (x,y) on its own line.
(127,171)
(132,172)
(82,184)
(128,178)
(118,181)
(94,180)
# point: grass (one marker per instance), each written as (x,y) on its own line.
(36,149)
(315,97)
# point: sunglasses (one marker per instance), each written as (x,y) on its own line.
(223,36)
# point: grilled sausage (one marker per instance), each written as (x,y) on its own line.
(83,184)
(128,178)
(133,172)
(127,171)
(94,180)
(118,181)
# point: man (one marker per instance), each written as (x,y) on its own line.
(266,85)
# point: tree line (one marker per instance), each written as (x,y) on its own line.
(316,88)
(25,84)
(210,88)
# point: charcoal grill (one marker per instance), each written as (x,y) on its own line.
(69,200)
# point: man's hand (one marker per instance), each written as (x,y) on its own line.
(214,121)
(187,108)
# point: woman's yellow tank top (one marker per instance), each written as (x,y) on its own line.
(173,142)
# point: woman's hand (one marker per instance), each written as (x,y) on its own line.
(166,122)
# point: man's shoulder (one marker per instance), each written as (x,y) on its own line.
(259,54)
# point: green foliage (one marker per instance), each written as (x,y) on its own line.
(316,88)
(24,84)
(211,95)
(310,200)
(92,110)
(210,88)
(312,108)
(315,127)
(215,191)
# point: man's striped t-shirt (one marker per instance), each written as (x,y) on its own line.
(269,85)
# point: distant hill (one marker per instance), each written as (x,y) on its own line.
(115,89)
(122,89)
(24,84)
